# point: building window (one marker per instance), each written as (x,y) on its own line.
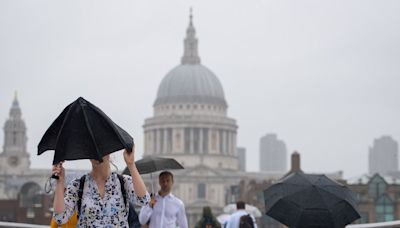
(14,138)
(364,217)
(377,186)
(201,191)
(384,209)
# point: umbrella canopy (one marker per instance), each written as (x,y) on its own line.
(154,164)
(254,211)
(83,131)
(307,200)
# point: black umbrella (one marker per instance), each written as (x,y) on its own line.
(83,131)
(307,200)
(154,164)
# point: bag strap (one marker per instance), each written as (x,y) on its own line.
(80,193)
(123,191)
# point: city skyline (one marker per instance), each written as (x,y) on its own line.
(327,87)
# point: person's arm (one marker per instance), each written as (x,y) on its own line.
(145,214)
(229,223)
(254,221)
(182,220)
(58,203)
(64,206)
(138,184)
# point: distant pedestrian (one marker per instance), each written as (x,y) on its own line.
(207,220)
(241,218)
(164,210)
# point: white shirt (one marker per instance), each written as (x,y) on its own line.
(168,212)
(234,220)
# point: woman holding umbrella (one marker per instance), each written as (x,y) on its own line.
(102,201)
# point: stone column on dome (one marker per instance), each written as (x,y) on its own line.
(153,142)
(178,140)
(169,149)
(191,141)
(165,141)
(201,141)
(158,141)
(232,143)
(228,142)
(223,142)
(206,140)
(146,141)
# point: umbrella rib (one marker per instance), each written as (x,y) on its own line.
(62,126)
(100,158)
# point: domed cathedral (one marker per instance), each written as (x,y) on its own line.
(190,124)
(190,115)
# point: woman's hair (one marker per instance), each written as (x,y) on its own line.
(113,164)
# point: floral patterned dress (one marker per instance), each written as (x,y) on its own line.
(109,211)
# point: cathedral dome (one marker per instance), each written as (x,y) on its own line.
(190,83)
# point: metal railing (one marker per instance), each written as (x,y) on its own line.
(390,224)
(21,225)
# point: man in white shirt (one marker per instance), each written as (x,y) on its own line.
(234,220)
(164,210)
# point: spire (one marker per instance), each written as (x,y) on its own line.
(15,111)
(190,53)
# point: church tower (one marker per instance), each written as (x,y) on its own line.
(14,160)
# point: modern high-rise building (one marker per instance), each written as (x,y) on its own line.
(383,156)
(273,154)
(241,154)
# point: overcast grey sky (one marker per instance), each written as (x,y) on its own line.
(323,75)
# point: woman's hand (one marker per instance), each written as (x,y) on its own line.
(59,171)
(129,157)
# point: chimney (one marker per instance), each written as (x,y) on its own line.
(295,162)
